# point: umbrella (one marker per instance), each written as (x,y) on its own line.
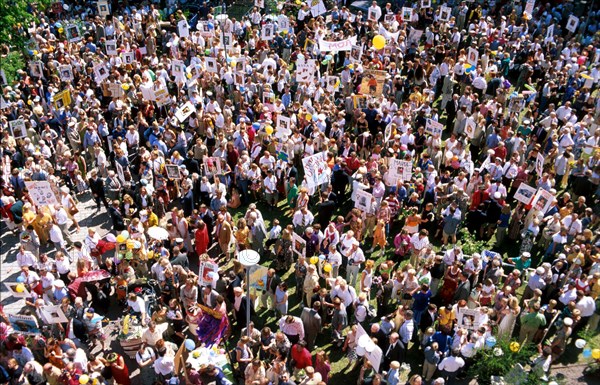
(530,87)
(586,76)
(159,233)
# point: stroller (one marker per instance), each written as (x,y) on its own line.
(147,289)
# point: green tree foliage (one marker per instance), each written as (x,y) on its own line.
(16,16)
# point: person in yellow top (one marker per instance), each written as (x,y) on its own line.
(242,235)
(446,317)
(42,222)
(379,237)
(595,285)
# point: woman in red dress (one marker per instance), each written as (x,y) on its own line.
(118,368)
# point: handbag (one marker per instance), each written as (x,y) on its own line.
(73,210)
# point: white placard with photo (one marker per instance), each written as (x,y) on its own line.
(550,34)
(284,126)
(406,14)
(425,3)
(178,68)
(283,23)
(101,72)
(53,314)
(65,72)
(111,47)
(185,111)
(205,269)
(468,318)
(445,13)
(36,69)
(542,200)
(355,53)
(128,57)
(298,244)
(529,7)
(525,193)
(470,127)
(103,9)
(73,33)
(372,15)
(364,201)
(415,36)
(211,64)
(572,23)
(400,169)
(267,32)
(539,164)
(473,56)
(316,170)
(183,28)
(18,128)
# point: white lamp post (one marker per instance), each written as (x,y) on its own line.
(248,258)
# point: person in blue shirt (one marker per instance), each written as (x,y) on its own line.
(421,302)
(444,341)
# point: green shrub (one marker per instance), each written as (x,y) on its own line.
(11,63)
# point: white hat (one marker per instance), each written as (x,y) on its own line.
(64,189)
(568,321)
(497,195)
(59,283)
(562,256)
(526,254)
(178,240)
(540,270)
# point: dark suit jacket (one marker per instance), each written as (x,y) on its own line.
(463,291)
(323,310)
(275,281)
(96,186)
(117,219)
(396,353)
(426,321)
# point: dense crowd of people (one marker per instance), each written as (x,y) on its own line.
(361,153)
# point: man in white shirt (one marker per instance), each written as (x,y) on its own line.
(26,258)
(573,225)
(451,365)
(453,255)
(345,293)
(270,183)
(57,238)
(568,294)
(374,12)
(418,242)
(292,327)
(152,334)
(137,307)
(355,259)
(302,219)
(62,220)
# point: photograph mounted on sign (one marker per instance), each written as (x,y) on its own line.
(473,57)
(212,166)
(525,193)
(183,28)
(17,289)
(317,7)
(445,13)
(389,18)
(298,244)
(284,124)
(542,200)
(227,40)
(103,9)
(468,318)
(211,64)
(309,45)
(400,169)
(204,273)
(372,16)
(73,34)
(24,323)
(37,69)
(177,68)
(406,14)
(101,72)
(239,79)
(53,314)
(111,47)
(372,82)
(425,3)
(66,72)
(62,99)
(185,111)
(360,101)
(283,23)
(205,29)
(572,23)
(128,57)
(267,32)
(364,201)
(355,53)
(18,128)
(172,171)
